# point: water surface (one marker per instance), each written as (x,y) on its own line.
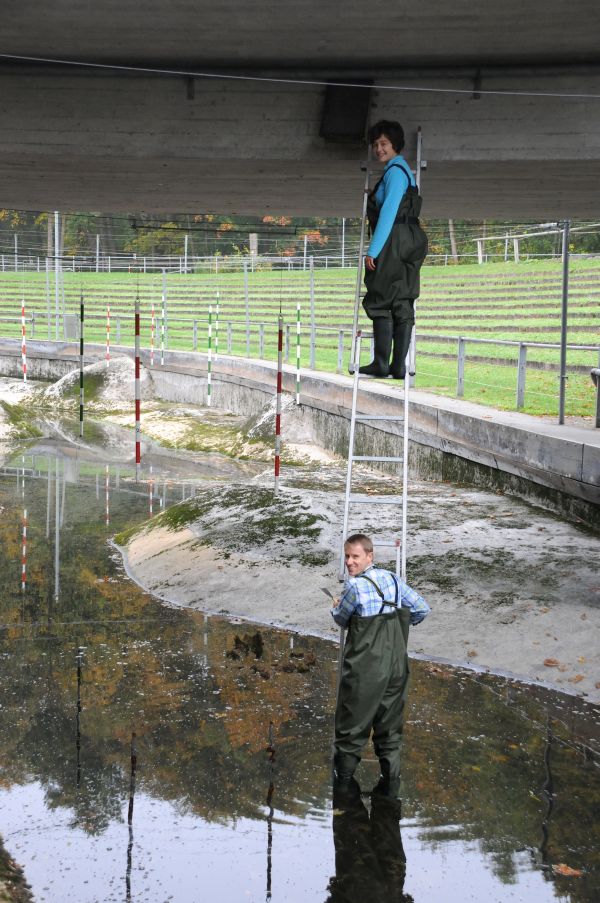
(230,798)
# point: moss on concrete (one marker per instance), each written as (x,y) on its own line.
(246,520)
(19,417)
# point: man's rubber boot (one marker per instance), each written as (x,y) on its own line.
(344,766)
(402,337)
(383,329)
(388,784)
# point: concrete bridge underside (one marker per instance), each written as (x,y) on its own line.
(75,138)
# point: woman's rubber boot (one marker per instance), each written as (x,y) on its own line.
(383,330)
(402,337)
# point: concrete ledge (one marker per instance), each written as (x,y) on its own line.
(562,459)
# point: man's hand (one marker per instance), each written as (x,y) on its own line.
(370,263)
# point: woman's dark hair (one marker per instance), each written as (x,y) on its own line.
(391,129)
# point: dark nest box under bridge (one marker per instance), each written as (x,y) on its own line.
(345,112)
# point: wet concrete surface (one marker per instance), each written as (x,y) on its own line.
(224,792)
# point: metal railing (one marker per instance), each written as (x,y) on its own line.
(326,347)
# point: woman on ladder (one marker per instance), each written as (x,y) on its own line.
(394,257)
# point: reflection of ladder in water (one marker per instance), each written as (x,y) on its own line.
(350,498)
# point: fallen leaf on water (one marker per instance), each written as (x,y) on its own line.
(475,768)
(576,679)
(566,871)
(563,667)
(598,684)
(551,662)
(581,659)
(543,611)
(472,653)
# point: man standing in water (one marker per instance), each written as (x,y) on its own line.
(377,609)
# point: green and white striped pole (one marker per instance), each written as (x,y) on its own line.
(217,324)
(81,317)
(298,353)
(209,362)
(162,318)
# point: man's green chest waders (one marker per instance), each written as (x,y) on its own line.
(372,692)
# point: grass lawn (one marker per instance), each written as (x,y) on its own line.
(497,301)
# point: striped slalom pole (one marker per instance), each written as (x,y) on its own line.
(107,335)
(81,318)
(152,328)
(106,495)
(217,324)
(138,454)
(24,537)
(278,401)
(23,342)
(24,553)
(162,319)
(298,353)
(209,361)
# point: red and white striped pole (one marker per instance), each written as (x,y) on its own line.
(278,401)
(107,334)
(24,553)
(138,453)
(23,342)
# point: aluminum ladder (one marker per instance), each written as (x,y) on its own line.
(351,498)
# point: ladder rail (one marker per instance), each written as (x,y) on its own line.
(356,362)
(359,266)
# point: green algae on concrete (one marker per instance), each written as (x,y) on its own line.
(19,417)
(237,519)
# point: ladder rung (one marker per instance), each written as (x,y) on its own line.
(377,458)
(375,499)
(394,419)
(384,545)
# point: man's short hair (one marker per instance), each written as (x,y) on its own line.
(360,539)
(391,129)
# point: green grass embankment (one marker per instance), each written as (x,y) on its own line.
(499,302)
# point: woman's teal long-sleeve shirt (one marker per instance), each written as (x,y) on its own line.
(388,198)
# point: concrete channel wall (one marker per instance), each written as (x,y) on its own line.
(559,467)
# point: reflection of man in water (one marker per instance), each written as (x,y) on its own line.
(377,608)
(369,858)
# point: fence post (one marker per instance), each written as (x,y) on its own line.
(521,374)
(313,327)
(340,360)
(516,249)
(247,304)
(195,336)
(595,374)
(261,341)
(564,323)
(479,251)
(229,337)
(460,382)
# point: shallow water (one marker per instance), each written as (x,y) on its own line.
(231,798)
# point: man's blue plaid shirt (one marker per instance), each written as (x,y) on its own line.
(360,597)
